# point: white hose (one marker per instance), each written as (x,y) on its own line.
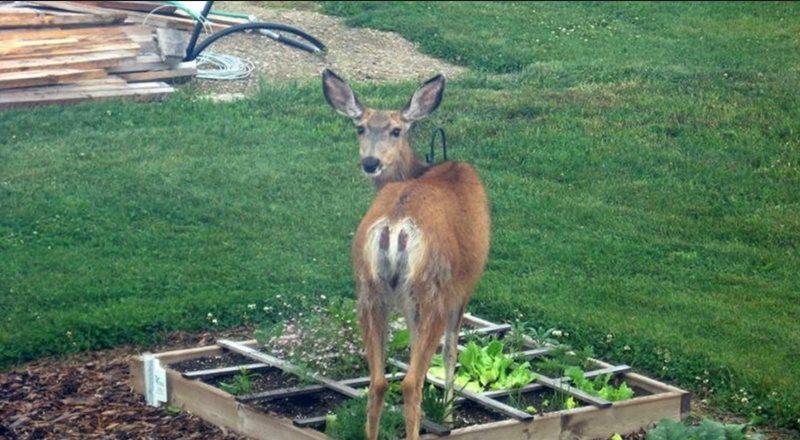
(222,67)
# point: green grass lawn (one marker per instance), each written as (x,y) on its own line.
(642,159)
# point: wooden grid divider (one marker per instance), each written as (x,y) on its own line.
(486,399)
(328,383)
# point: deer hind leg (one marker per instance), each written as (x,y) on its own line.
(450,350)
(427,325)
(373,316)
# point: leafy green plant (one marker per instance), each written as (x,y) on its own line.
(707,429)
(561,357)
(400,340)
(399,344)
(486,367)
(472,335)
(242,383)
(600,386)
(518,337)
(435,404)
(560,400)
(542,337)
(347,421)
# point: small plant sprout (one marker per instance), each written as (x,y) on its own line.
(242,383)
(542,337)
(347,422)
(518,337)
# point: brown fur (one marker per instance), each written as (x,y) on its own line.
(421,247)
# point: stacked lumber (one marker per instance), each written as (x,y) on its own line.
(152,13)
(69,52)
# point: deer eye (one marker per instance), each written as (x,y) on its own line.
(360,130)
(396,132)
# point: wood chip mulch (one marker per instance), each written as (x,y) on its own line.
(89,396)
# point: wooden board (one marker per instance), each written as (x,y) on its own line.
(173,22)
(48,33)
(34,47)
(16,80)
(163,7)
(141,63)
(101,60)
(51,95)
(79,8)
(158,75)
(21,18)
(171,45)
(16,53)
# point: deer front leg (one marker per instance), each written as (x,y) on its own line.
(373,317)
(428,331)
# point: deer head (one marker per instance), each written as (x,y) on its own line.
(386,154)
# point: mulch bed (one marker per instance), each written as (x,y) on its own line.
(89,396)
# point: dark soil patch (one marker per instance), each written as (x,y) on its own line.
(542,401)
(262,380)
(304,407)
(227,359)
(469,413)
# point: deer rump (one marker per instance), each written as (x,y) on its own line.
(430,249)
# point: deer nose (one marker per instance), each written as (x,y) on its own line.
(370,164)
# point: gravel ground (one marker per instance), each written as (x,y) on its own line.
(358,54)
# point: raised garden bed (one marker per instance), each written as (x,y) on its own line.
(280,403)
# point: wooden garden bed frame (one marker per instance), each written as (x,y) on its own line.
(598,419)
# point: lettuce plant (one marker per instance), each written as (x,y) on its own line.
(486,367)
(599,386)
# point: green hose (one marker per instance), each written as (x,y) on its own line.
(196,16)
(229,14)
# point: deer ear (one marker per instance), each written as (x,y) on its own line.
(426,99)
(340,96)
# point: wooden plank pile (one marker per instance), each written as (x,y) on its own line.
(69,52)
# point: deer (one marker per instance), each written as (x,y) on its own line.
(419,250)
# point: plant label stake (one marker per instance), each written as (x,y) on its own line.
(155,379)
